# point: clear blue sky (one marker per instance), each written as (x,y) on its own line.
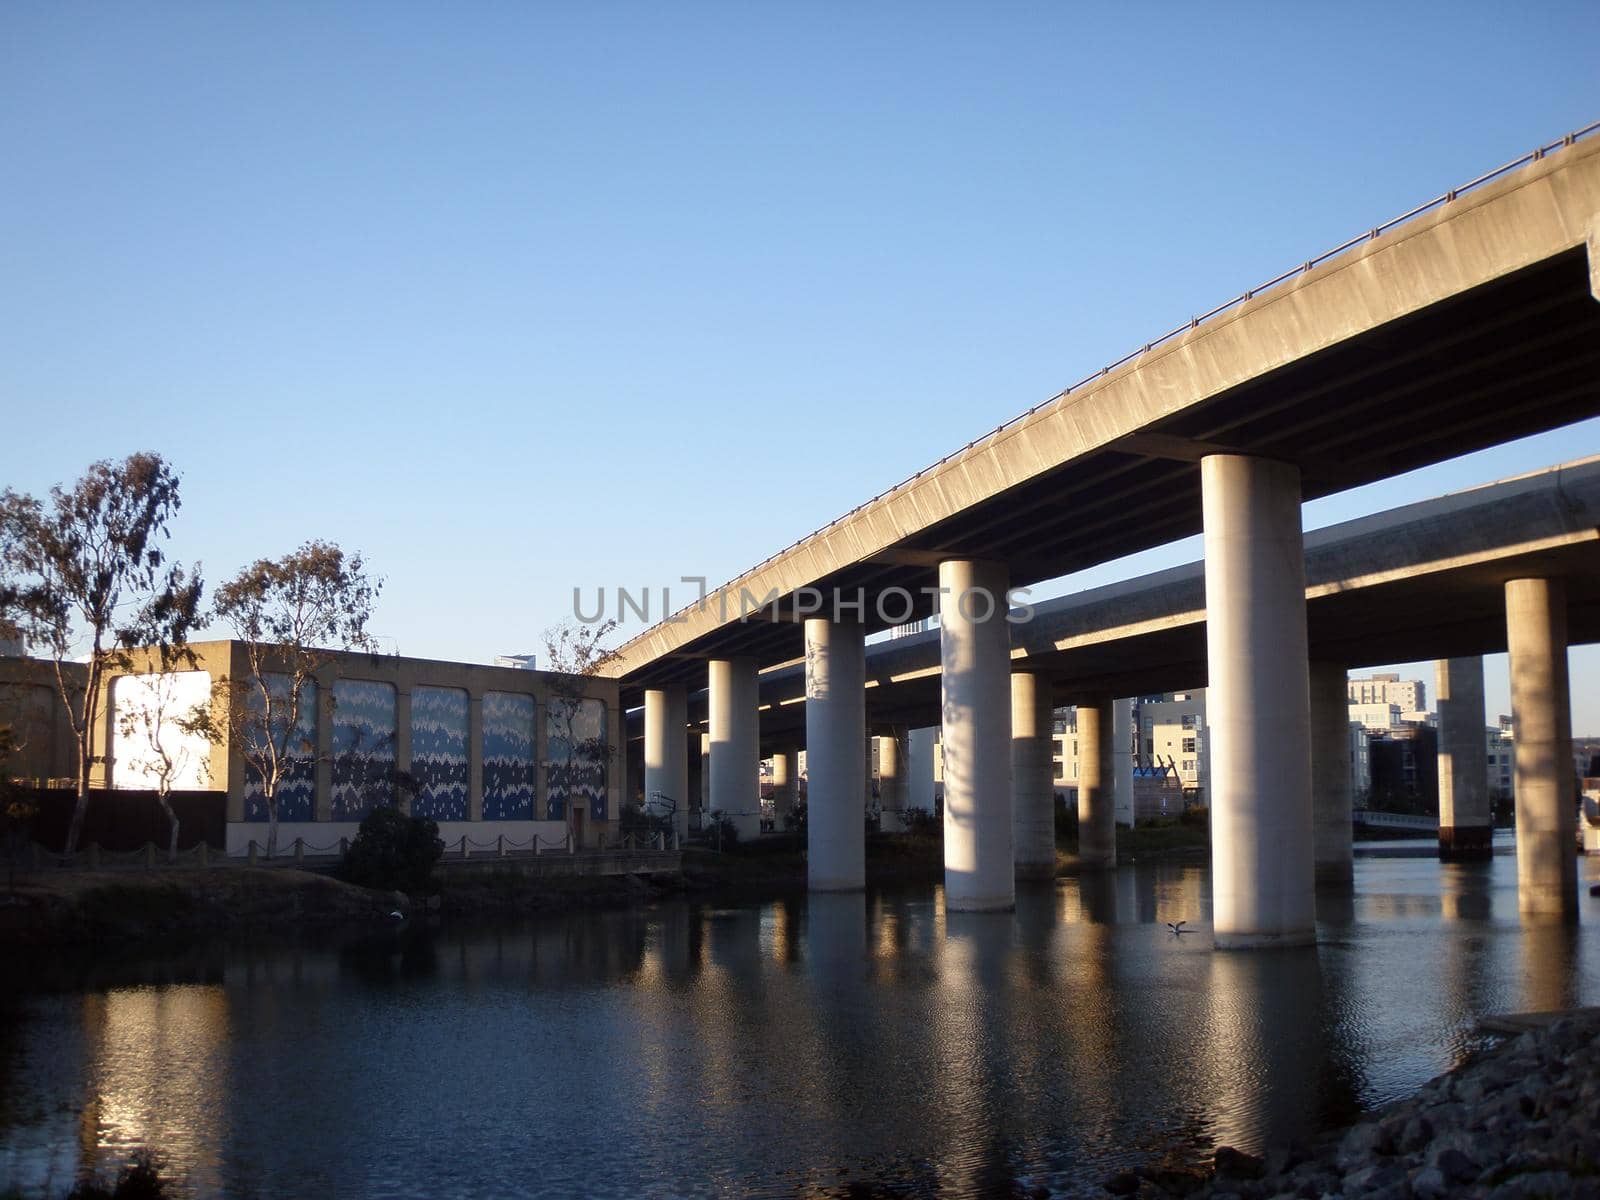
(519,297)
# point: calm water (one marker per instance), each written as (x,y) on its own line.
(794,1047)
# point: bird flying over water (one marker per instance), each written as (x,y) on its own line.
(1177,927)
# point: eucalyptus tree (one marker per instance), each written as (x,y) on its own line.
(87,580)
(290,614)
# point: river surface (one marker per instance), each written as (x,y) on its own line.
(841,1045)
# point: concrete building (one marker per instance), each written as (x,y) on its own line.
(1410,695)
(488,752)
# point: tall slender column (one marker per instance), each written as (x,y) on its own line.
(836,712)
(975,645)
(1033,802)
(705,778)
(785,785)
(892,781)
(1330,773)
(735,743)
(1541,713)
(1124,733)
(666,754)
(1258,703)
(1466,826)
(919,791)
(1097,799)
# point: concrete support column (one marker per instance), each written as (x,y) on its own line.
(1334,854)
(1097,799)
(705,778)
(893,783)
(1258,703)
(1466,826)
(735,743)
(1033,817)
(1541,713)
(785,785)
(920,744)
(836,713)
(1124,752)
(666,754)
(975,644)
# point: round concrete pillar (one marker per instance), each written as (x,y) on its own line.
(893,782)
(1033,817)
(836,713)
(1466,826)
(785,784)
(666,754)
(705,778)
(1097,800)
(919,784)
(1545,781)
(1258,703)
(735,743)
(1330,773)
(975,645)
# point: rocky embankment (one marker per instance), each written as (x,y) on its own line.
(1521,1120)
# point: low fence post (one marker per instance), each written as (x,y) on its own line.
(149,855)
(251,857)
(536,845)
(299,851)
(463,845)
(344,846)
(94,856)
(205,854)
(500,845)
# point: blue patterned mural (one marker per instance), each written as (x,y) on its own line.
(577,757)
(363,747)
(297,787)
(439,753)
(508,759)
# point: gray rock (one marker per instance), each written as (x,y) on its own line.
(1430,1184)
(1414,1135)
(1454,1165)
(1363,1143)
(1375,1178)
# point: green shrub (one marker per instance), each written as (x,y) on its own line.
(392,850)
(922,823)
(794,821)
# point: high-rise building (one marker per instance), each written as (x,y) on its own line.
(1411,695)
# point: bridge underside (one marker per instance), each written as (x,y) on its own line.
(1512,358)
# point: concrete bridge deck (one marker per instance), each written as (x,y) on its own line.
(1425,580)
(1468,325)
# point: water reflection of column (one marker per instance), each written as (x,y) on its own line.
(977,1069)
(161,1057)
(1267,1047)
(1550,961)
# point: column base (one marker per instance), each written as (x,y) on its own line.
(834,886)
(1335,873)
(979,903)
(1458,843)
(1264,941)
(1034,870)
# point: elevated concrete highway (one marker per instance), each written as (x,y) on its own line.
(1424,581)
(1469,322)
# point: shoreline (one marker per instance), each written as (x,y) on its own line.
(1515,1121)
